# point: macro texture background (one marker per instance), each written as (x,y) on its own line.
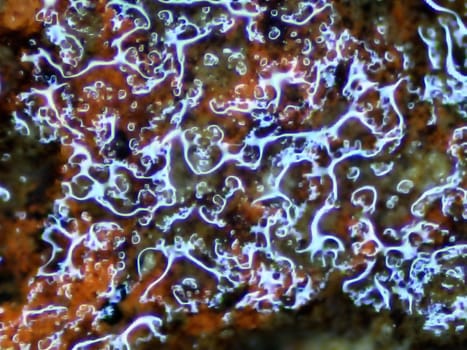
(233,174)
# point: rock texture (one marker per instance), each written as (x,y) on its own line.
(233,174)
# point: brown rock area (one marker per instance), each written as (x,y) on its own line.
(19,16)
(233,174)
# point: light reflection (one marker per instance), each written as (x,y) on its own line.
(185,183)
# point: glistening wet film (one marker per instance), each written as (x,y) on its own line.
(233,174)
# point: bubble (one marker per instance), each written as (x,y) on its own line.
(4,194)
(274,33)
(210,59)
(405,186)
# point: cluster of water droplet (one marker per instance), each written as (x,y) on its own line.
(195,152)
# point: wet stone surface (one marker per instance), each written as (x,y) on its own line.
(233,174)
